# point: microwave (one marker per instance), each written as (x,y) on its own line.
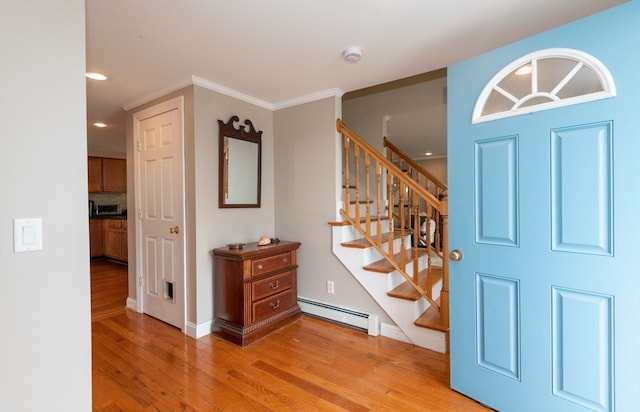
(108,210)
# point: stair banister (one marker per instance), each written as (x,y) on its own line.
(421,170)
(406,185)
(413,185)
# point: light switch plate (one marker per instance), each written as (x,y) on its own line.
(27,235)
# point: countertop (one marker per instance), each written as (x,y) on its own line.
(113,217)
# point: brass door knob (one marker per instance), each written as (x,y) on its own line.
(456,255)
(174,229)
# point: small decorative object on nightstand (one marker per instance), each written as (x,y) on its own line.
(255,290)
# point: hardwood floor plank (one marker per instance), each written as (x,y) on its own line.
(311,387)
(143,364)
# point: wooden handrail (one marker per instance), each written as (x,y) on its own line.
(342,128)
(437,182)
(409,203)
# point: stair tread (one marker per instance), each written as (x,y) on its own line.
(430,319)
(426,279)
(384,266)
(364,243)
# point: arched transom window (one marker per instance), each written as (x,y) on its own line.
(543,80)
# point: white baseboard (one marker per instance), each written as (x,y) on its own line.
(192,330)
(368,322)
(132,304)
(197,331)
(393,332)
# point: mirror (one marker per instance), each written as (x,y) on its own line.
(240,158)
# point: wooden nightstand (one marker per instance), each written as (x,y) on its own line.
(255,290)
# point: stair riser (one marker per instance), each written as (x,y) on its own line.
(373,210)
(350,233)
(371,254)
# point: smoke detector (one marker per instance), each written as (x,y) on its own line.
(352,54)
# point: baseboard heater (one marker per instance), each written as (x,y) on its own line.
(367,322)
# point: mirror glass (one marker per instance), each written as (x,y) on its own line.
(239,164)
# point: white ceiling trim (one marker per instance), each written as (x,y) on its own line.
(199,81)
(207,84)
(309,98)
(146,99)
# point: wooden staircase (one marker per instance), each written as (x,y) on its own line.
(403,272)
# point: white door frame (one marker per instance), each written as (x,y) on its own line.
(172,104)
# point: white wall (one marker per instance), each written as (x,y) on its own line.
(308,181)
(45,313)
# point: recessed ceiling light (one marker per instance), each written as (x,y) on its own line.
(100,124)
(428,154)
(95,76)
(524,70)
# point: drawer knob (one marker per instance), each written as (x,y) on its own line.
(259,266)
(274,285)
(275,305)
(285,260)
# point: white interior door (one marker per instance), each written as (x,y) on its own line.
(158,132)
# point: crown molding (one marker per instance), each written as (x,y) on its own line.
(207,84)
(146,99)
(309,98)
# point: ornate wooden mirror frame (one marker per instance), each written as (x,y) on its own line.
(240,164)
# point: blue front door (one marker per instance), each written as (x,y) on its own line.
(545,206)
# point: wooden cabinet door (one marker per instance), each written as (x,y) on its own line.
(115,239)
(114,175)
(124,250)
(95,174)
(112,235)
(95,237)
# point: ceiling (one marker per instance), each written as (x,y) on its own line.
(279,52)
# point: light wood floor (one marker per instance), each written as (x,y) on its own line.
(142,364)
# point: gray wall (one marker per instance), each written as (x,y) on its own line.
(45,309)
(308,181)
(301,175)
(207,226)
(214,227)
(363,111)
(438,167)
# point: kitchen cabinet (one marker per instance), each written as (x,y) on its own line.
(115,239)
(255,290)
(107,175)
(114,175)
(96,237)
(95,174)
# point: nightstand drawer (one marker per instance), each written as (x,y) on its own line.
(271,306)
(270,264)
(266,287)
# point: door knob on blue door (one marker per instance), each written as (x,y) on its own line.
(456,255)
